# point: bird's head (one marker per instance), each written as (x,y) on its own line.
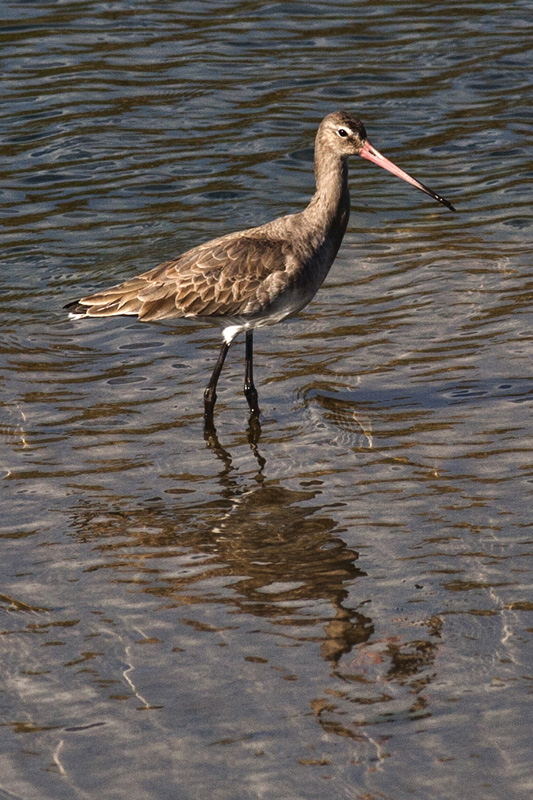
(345,135)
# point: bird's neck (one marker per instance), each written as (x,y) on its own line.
(329,208)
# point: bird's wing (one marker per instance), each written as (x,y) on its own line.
(230,276)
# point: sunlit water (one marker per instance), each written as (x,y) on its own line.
(335,605)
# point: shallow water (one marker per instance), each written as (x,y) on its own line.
(337,604)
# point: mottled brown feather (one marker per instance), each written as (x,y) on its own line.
(226,277)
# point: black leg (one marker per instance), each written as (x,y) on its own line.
(250,391)
(210,394)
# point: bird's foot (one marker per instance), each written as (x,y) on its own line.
(250,392)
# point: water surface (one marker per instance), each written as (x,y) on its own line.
(337,604)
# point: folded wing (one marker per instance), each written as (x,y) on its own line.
(236,275)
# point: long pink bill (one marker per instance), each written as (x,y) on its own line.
(369,152)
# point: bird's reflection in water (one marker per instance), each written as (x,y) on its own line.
(270,551)
(294,557)
(289,553)
(271,560)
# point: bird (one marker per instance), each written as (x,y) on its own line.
(259,276)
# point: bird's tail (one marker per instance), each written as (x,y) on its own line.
(76,310)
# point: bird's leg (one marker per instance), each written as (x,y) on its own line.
(250,392)
(210,394)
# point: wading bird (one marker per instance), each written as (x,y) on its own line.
(260,276)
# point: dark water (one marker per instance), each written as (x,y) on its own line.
(341,606)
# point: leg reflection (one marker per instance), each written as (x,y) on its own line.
(253,435)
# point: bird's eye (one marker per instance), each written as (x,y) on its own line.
(342,132)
